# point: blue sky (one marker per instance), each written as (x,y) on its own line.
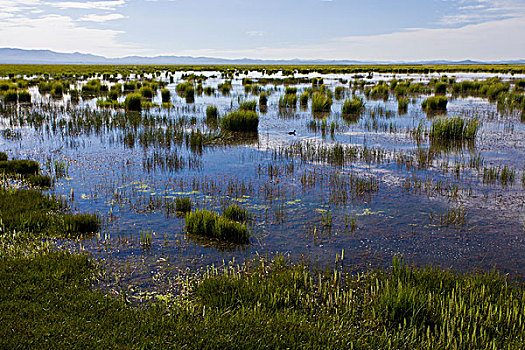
(271,29)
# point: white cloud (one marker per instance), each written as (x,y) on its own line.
(101,18)
(255,33)
(477,11)
(88,5)
(61,33)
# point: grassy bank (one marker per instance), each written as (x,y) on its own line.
(46,302)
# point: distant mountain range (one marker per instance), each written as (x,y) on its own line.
(20,56)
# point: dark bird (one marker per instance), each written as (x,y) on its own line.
(291,132)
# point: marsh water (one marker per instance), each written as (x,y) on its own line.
(399,195)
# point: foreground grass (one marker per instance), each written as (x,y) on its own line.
(46,302)
(42,215)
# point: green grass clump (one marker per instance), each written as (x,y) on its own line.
(435,104)
(303,99)
(263,100)
(3,157)
(353,106)
(39,180)
(440,88)
(290,90)
(22,167)
(146,92)
(248,106)
(129,86)
(380,92)
(208,224)
(57,90)
(112,95)
(339,92)
(10,96)
(189,94)
(288,101)
(45,216)
(94,87)
(245,121)
(183,204)
(321,103)
(24,96)
(212,114)
(182,87)
(133,102)
(236,213)
(166,95)
(402,104)
(208,90)
(456,128)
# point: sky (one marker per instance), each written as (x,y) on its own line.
(371,30)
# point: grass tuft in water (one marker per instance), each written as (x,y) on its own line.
(208,224)
(321,103)
(456,128)
(166,95)
(248,106)
(183,204)
(240,121)
(133,102)
(435,104)
(353,106)
(236,213)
